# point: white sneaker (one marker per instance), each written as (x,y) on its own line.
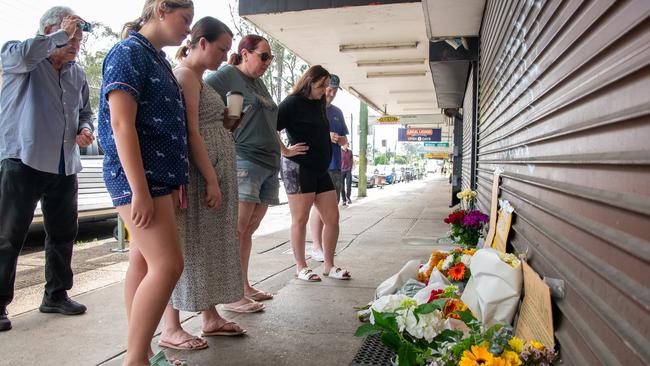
(317,255)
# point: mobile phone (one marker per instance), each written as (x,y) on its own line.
(247,108)
(85,26)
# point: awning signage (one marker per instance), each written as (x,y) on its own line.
(419,134)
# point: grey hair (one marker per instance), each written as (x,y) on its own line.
(53,16)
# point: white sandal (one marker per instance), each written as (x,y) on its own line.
(338,274)
(307,274)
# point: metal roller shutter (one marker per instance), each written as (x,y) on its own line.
(469,134)
(564,110)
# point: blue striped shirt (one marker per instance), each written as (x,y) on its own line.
(41,109)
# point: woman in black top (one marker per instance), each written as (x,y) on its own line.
(304,169)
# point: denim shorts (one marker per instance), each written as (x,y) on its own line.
(256,183)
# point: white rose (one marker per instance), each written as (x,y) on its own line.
(386,304)
(449,261)
(466,259)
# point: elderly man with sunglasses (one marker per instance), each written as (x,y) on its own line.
(45,116)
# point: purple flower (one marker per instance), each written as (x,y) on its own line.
(475,219)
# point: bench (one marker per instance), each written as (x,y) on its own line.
(94,202)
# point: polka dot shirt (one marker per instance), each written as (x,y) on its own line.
(134,66)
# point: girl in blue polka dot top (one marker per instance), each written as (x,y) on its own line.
(143,132)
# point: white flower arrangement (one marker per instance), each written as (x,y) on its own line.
(466,259)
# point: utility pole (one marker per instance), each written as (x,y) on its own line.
(363,148)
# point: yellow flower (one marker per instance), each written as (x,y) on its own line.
(479,356)
(536,345)
(498,361)
(469,251)
(516,344)
(439,265)
(512,358)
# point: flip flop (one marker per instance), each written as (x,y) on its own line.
(244,308)
(222,331)
(184,345)
(338,274)
(159,359)
(260,296)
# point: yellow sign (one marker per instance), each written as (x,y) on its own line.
(436,156)
(494,204)
(388,120)
(535,314)
(503,228)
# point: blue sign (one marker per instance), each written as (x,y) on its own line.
(419,134)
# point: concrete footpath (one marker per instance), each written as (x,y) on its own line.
(306,323)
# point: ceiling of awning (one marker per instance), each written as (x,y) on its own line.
(379,49)
(322,36)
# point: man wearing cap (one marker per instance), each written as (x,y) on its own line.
(338,135)
(45,116)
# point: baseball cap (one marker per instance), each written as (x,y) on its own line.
(335,82)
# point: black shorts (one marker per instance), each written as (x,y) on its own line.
(299,180)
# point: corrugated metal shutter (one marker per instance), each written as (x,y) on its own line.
(564,110)
(469,135)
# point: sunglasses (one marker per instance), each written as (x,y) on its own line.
(265,56)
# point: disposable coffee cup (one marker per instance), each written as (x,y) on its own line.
(235,101)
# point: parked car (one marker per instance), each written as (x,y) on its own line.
(371,177)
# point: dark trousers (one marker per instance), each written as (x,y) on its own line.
(21,187)
(346,184)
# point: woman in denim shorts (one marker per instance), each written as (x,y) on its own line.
(258,151)
(143,132)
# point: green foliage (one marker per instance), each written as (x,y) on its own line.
(286,68)
(92,53)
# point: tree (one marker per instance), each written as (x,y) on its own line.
(92,52)
(286,68)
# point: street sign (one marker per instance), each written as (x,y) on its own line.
(436,156)
(388,120)
(437,144)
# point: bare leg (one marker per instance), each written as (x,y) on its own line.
(249,219)
(299,205)
(316,227)
(159,246)
(328,207)
(212,321)
(174,333)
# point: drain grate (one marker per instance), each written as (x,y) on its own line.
(373,352)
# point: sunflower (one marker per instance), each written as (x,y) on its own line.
(479,356)
(516,344)
(457,272)
(512,358)
(498,361)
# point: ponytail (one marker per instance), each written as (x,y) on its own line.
(131,26)
(235,59)
(183,50)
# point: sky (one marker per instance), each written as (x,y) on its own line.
(19,19)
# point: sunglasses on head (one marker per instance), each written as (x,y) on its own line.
(265,56)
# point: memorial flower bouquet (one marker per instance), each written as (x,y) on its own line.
(467,199)
(410,329)
(466,226)
(496,346)
(455,266)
